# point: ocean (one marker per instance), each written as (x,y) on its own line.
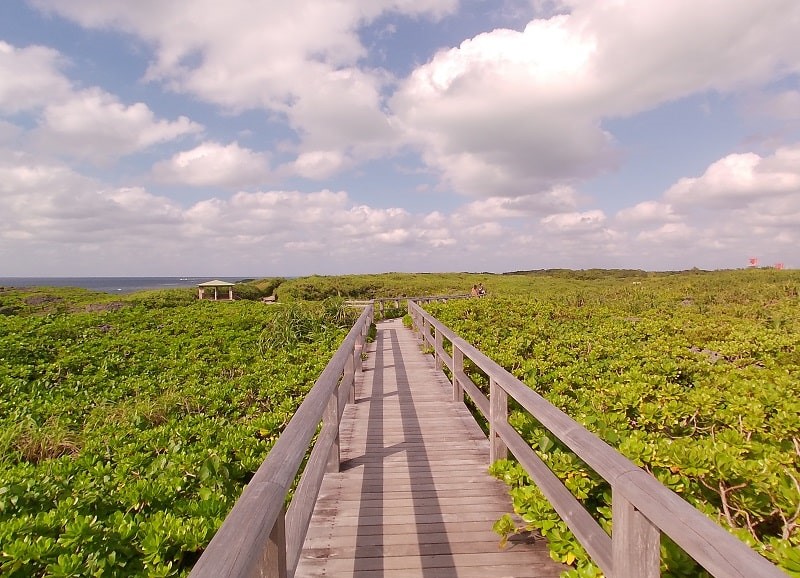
(112,284)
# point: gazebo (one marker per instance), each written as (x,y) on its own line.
(216,285)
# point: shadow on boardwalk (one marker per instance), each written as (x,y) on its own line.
(413,497)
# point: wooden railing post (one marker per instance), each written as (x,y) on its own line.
(635,541)
(458,367)
(331,419)
(275,563)
(439,344)
(356,368)
(356,360)
(498,413)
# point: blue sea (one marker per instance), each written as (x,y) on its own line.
(112,284)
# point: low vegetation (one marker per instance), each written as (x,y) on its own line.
(129,426)
(130,423)
(694,378)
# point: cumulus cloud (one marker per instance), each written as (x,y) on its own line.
(647,212)
(214,164)
(571,222)
(86,124)
(30,77)
(94,125)
(556,199)
(743,204)
(51,203)
(53,217)
(319,164)
(740,179)
(49,214)
(514,118)
(299,59)
(507,111)
(667,233)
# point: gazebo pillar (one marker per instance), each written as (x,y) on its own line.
(212,290)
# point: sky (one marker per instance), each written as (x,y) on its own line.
(266,137)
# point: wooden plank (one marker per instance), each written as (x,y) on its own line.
(343,540)
(330,420)
(497,571)
(413,496)
(443,547)
(359,496)
(486,560)
(322,526)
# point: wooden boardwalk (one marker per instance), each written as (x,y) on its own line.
(413,497)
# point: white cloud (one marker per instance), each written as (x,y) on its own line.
(574,222)
(556,199)
(88,124)
(213,164)
(667,233)
(299,59)
(742,205)
(54,218)
(498,114)
(508,111)
(94,125)
(51,204)
(647,212)
(319,164)
(740,179)
(516,119)
(486,230)
(30,77)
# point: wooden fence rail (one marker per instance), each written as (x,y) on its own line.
(642,508)
(260,537)
(381,304)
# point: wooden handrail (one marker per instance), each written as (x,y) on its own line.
(380,302)
(260,537)
(642,508)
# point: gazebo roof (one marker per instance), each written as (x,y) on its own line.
(216,283)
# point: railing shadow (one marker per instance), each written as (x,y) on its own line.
(373,541)
(369,550)
(427,511)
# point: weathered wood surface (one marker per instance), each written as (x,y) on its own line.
(413,497)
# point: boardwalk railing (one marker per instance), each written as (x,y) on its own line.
(260,537)
(381,304)
(642,508)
